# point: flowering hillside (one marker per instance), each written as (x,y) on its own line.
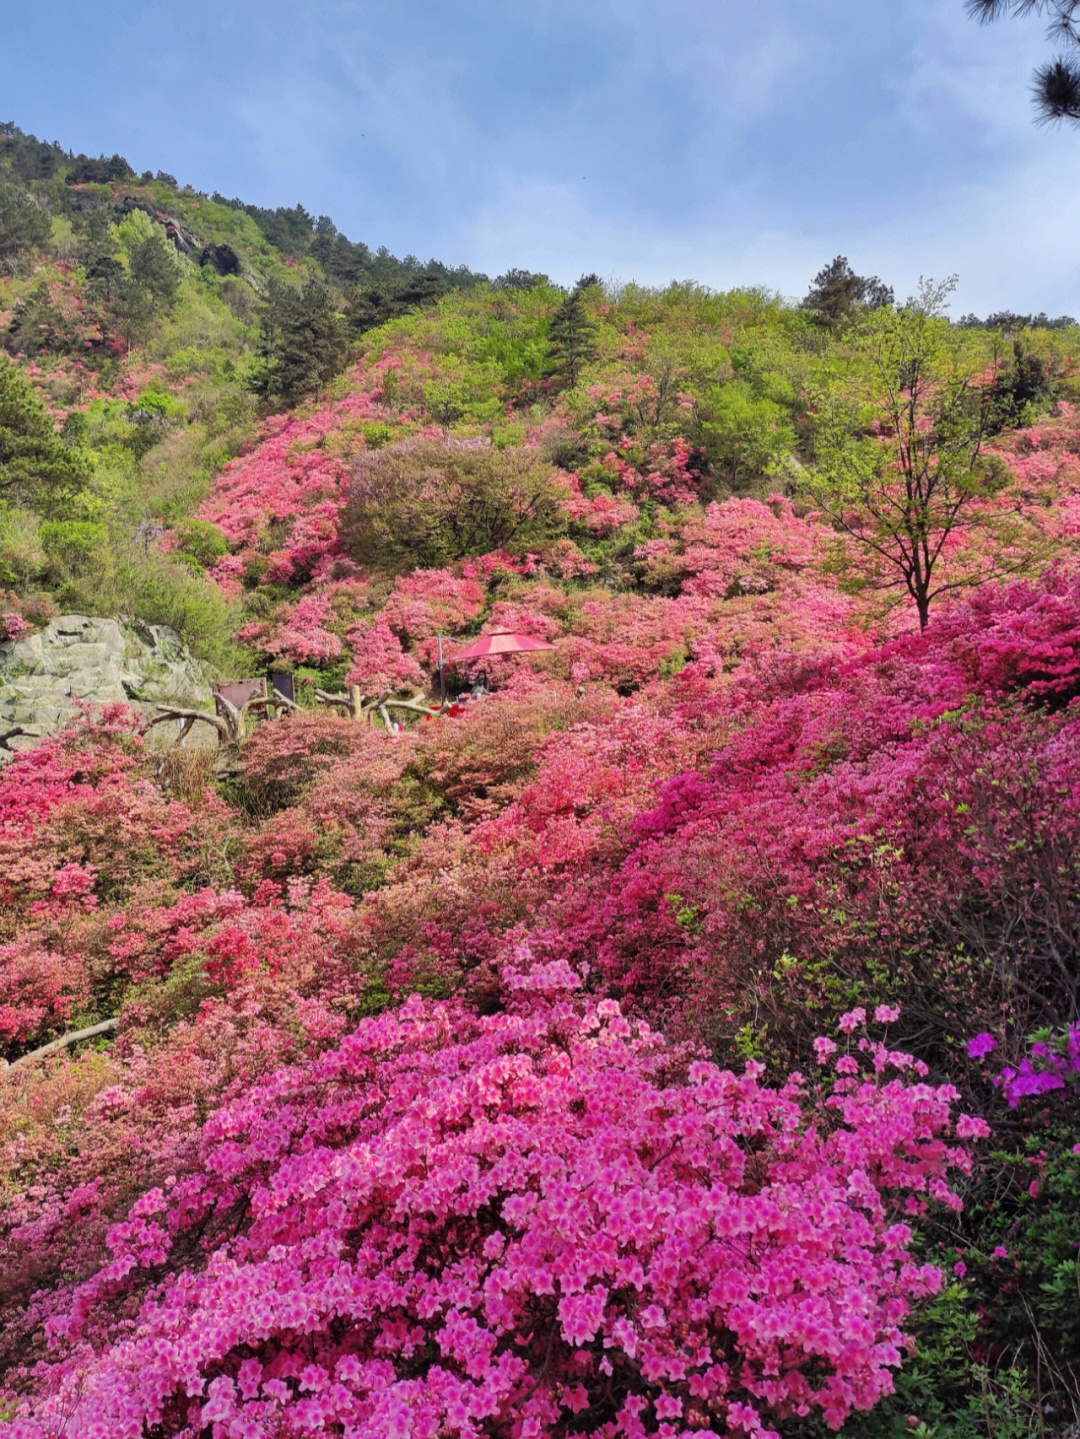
(676,1033)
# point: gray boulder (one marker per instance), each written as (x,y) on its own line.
(77,660)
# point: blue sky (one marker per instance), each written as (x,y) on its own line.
(647,140)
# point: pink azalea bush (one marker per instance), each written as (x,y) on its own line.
(83,830)
(293,478)
(12,626)
(547,1221)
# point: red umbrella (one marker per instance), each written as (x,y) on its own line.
(500,642)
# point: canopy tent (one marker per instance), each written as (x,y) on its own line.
(500,642)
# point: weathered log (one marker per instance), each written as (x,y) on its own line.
(352,702)
(12,733)
(228,721)
(107,1026)
(412,707)
(267,702)
(167,714)
(361,706)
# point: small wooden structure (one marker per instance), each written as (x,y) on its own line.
(283,683)
(235,700)
(238,693)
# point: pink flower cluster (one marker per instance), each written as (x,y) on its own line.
(13,623)
(294,478)
(599,515)
(457,1225)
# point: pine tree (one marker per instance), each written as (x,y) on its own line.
(103,272)
(302,344)
(572,337)
(375,300)
(132,310)
(37,325)
(37,467)
(24,226)
(1055,85)
(838,294)
(154,268)
(99,258)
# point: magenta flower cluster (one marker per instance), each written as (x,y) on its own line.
(546,1221)
(1050,1065)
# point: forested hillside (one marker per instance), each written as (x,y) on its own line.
(671,1031)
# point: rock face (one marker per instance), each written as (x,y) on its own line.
(81,659)
(223,258)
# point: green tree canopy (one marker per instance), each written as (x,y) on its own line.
(901,470)
(37,326)
(37,467)
(154,268)
(23,225)
(838,294)
(425,503)
(132,308)
(745,433)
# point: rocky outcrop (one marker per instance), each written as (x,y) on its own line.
(48,678)
(222,258)
(185,239)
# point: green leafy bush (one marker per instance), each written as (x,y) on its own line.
(426,503)
(202,541)
(159,590)
(74,543)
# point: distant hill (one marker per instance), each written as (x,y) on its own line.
(41,179)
